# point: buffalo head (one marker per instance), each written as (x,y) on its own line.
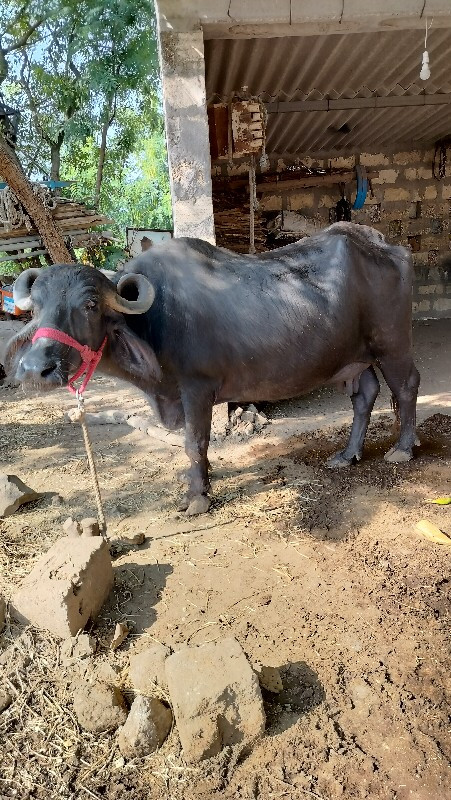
(81,302)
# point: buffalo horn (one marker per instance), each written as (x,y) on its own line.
(22,288)
(144,299)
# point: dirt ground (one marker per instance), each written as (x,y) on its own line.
(319,573)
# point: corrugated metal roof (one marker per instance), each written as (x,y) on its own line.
(336,66)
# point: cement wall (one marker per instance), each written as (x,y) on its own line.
(409,207)
(182,67)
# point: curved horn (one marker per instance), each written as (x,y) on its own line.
(140,286)
(22,288)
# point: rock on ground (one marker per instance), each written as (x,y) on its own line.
(270,679)
(99,706)
(216,698)
(5,700)
(67,586)
(77,648)
(146,728)
(14,493)
(147,669)
(220,421)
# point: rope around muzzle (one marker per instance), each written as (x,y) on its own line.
(89,362)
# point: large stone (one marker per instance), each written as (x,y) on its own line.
(147,669)
(67,586)
(99,706)
(14,493)
(216,698)
(146,728)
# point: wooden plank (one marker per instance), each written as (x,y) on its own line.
(21,256)
(20,243)
(310,180)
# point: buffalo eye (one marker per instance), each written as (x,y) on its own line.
(91,305)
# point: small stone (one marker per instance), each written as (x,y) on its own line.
(107,673)
(147,669)
(72,528)
(135,538)
(261,419)
(2,613)
(90,527)
(146,728)
(121,632)
(247,429)
(238,411)
(5,700)
(252,408)
(77,648)
(247,416)
(57,501)
(99,707)
(13,494)
(269,678)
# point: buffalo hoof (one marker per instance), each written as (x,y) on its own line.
(397,456)
(184,503)
(338,460)
(198,505)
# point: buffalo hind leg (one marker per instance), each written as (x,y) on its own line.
(362,401)
(198,406)
(403,379)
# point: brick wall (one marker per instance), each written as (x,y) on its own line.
(408,206)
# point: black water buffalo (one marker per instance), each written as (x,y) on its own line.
(193,325)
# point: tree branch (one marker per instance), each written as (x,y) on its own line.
(33,108)
(23,40)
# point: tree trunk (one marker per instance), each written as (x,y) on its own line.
(55,153)
(101,162)
(13,174)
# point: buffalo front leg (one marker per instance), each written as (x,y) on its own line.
(197,406)
(403,379)
(362,402)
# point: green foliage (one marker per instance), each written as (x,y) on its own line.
(90,68)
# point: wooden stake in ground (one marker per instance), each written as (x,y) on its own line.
(12,172)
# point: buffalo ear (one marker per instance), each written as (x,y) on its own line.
(132,354)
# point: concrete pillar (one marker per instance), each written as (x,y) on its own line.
(185,112)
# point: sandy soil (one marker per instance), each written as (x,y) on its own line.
(319,573)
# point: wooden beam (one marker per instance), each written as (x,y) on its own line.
(311,180)
(300,106)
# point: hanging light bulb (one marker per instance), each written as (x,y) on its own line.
(425,71)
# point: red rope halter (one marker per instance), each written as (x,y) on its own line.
(89,358)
